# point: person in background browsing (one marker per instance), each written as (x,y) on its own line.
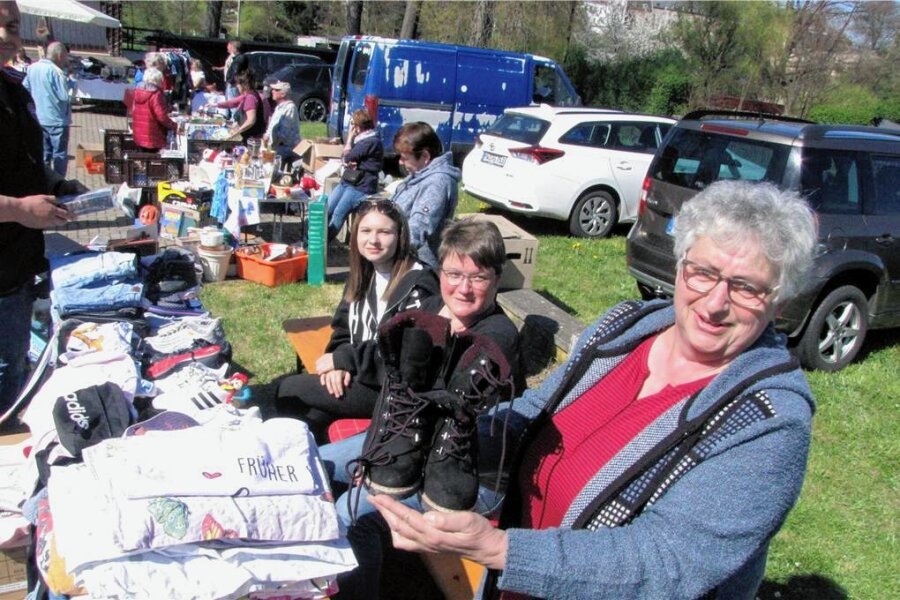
(49,86)
(208,96)
(662,458)
(250,110)
(21,62)
(385,279)
(198,77)
(27,205)
(283,131)
(150,113)
(235,64)
(363,152)
(429,195)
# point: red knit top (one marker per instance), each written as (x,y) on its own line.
(579,440)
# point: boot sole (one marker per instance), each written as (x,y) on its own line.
(430,505)
(398,493)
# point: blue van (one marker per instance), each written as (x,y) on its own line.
(458,90)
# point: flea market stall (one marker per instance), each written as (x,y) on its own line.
(147,471)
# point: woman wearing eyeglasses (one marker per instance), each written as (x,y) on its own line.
(385,278)
(471,254)
(662,458)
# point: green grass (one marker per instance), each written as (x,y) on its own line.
(841,539)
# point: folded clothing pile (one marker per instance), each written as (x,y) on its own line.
(219,510)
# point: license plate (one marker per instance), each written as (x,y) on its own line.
(670,226)
(493,159)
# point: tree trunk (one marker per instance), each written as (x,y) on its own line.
(410,28)
(354,17)
(572,7)
(213,20)
(483,24)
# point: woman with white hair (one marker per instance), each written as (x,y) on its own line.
(662,458)
(150,113)
(283,131)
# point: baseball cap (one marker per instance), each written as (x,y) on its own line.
(281,86)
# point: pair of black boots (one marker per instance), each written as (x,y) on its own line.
(423,437)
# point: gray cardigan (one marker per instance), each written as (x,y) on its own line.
(689,506)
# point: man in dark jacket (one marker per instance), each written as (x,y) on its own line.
(26,207)
(236,63)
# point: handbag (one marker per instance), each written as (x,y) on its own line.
(352,175)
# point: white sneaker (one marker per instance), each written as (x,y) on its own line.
(182,334)
(189,376)
(196,398)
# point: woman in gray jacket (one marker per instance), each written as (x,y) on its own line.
(429,195)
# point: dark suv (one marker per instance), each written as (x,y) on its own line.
(310,88)
(850,176)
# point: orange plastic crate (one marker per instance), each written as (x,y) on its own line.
(272,272)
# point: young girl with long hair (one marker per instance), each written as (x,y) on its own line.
(385,279)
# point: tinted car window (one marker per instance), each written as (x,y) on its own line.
(304,78)
(886,170)
(694,159)
(830,180)
(361,64)
(592,133)
(520,128)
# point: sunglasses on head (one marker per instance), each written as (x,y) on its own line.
(382,205)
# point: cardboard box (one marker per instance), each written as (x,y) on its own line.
(521,252)
(315,153)
(88,155)
(181,194)
(175,221)
(13,561)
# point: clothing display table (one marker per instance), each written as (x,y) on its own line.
(101,89)
(177,486)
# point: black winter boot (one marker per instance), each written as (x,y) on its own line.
(477,382)
(412,345)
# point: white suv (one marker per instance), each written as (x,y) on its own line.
(581,165)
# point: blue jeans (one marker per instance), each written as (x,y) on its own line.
(338,455)
(15,310)
(90,268)
(111,296)
(343,200)
(231,91)
(56,147)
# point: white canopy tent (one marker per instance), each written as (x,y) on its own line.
(68,10)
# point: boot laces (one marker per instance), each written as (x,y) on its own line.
(456,438)
(400,416)
(483,394)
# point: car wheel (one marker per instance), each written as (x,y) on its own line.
(594,215)
(836,331)
(312,109)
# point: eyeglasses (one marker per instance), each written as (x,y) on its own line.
(704,279)
(478,281)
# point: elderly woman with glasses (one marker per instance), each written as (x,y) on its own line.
(385,278)
(662,458)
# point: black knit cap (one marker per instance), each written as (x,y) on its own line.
(90,415)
